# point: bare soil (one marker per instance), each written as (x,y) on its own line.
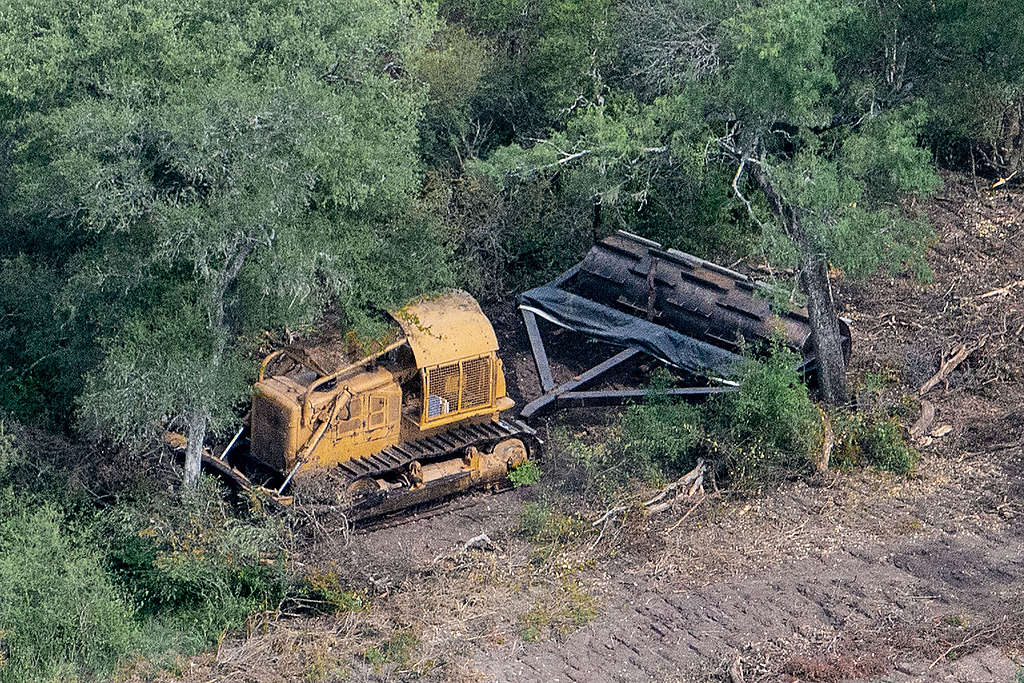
(858,575)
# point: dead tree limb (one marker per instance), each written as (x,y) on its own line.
(924,423)
(688,484)
(946,367)
(736,670)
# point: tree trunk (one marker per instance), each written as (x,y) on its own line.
(821,309)
(196,435)
(825,331)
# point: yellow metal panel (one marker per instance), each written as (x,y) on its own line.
(446,328)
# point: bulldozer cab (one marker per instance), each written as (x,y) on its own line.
(454,349)
(442,370)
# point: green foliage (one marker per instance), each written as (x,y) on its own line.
(547,58)
(11,456)
(193,569)
(779,68)
(544,523)
(771,420)
(326,587)
(659,435)
(61,617)
(964,58)
(190,174)
(141,386)
(153,574)
(396,650)
(758,123)
(526,474)
(766,430)
(875,440)
(568,610)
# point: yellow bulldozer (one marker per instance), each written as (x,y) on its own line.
(419,420)
(424,417)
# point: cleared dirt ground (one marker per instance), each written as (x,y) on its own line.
(851,576)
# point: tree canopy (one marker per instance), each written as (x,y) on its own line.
(180,181)
(199,173)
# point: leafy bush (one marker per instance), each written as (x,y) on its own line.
(544,523)
(10,455)
(526,474)
(61,616)
(875,440)
(153,574)
(194,569)
(659,436)
(885,448)
(770,425)
(326,587)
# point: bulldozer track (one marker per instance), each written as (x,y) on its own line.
(390,461)
(433,448)
(383,504)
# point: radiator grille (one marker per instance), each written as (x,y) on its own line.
(378,408)
(458,387)
(476,383)
(443,390)
(270,433)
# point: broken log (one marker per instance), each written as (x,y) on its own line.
(947,366)
(924,423)
(690,483)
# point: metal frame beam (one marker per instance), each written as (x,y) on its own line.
(540,355)
(552,395)
(617,396)
(567,392)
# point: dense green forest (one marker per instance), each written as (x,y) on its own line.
(182,184)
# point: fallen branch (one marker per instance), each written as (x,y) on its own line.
(966,641)
(736,670)
(608,514)
(481,542)
(924,423)
(1002,291)
(947,366)
(688,513)
(690,483)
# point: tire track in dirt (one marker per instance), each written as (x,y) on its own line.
(872,567)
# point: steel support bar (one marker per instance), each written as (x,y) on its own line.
(230,445)
(615,397)
(540,354)
(552,395)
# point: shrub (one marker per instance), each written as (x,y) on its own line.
(193,568)
(770,425)
(875,440)
(885,447)
(659,436)
(60,615)
(768,428)
(544,523)
(526,474)
(327,588)
(10,455)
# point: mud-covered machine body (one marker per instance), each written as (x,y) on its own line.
(420,419)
